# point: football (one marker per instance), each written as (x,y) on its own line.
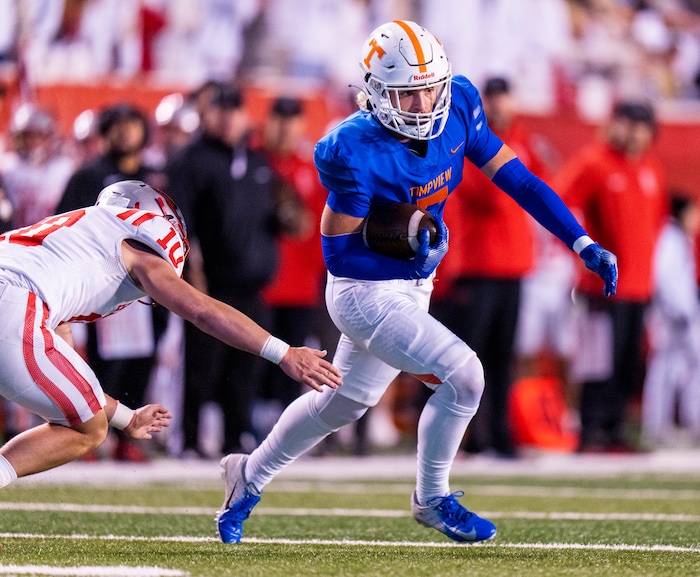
(392,229)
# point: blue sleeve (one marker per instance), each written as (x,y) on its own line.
(347,255)
(353,204)
(539,200)
(340,179)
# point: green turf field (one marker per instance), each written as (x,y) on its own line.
(615,525)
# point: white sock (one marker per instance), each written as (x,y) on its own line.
(297,431)
(7,472)
(441,428)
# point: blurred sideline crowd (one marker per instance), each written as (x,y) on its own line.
(582,374)
(580,52)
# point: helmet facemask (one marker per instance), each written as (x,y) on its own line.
(414,125)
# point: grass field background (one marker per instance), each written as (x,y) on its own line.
(563,515)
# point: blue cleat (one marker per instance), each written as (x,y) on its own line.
(239,500)
(449,517)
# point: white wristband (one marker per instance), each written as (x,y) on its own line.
(122,417)
(582,242)
(274,350)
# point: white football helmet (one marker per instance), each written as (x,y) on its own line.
(402,56)
(140,196)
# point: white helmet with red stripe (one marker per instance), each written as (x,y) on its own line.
(140,196)
(399,57)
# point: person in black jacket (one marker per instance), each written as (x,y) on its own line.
(121,348)
(230,199)
(124,130)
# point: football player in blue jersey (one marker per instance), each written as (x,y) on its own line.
(407,143)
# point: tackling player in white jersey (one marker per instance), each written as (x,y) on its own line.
(409,144)
(81,266)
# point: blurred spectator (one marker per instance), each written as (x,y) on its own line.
(617,184)
(492,249)
(36,170)
(380,11)
(603,61)
(227,192)
(656,42)
(87,142)
(297,56)
(295,294)
(176,121)
(121,348)
(125,132)
(80,40)
(642,47)
(582,52)
(203,39)
(668,34)
(201,96)
(152,22)
(535,53)
(672,383)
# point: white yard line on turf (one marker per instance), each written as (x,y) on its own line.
(342,512)
(100,571)
(363,543)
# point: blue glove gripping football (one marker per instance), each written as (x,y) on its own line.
(604,263)
(428,257)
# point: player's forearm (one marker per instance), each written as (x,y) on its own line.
(537,198)
(232,327)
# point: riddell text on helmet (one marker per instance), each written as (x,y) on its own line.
(424,76)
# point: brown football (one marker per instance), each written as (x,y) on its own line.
(392,229)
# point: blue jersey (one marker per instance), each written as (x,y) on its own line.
(361,163)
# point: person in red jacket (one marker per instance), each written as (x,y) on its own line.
(492,250)
(618,187)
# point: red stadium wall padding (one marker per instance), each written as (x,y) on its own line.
(678,142)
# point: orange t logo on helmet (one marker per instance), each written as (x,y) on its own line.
(375,49)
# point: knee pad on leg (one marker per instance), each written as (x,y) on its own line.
(464,387)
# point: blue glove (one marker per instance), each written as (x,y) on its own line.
(604,263)
(428,257)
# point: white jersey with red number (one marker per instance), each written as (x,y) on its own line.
(73,262)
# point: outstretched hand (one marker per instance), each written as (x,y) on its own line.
(604,263)
(148,419)
(308,366)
